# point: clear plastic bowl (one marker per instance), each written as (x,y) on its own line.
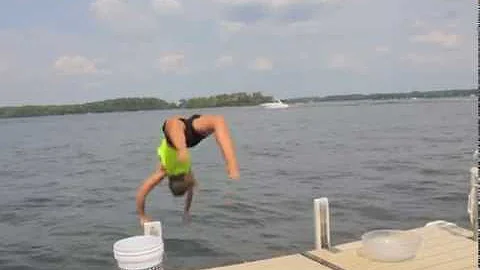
(390,245)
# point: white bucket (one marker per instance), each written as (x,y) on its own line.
(139,252)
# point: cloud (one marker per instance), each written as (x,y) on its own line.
(297,12)
(270,3)
(419,24)
(224,61)
(423,59)
(75,65)
(452,25)
(109,10)
(4,65)
(382,49)
(244,2)
(340,61)
(252,11)
(248,13)
(300,28)
(123,16)
(167,6)
(261,64)
(438,38)
(172,62)
(232,26)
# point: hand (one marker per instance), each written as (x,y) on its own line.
(144,219)
(183,155)
(187,218)
(228,198)
(233,174)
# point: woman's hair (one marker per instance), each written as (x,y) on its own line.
(179,184)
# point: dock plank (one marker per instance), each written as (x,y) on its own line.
(443,248)
(291,262)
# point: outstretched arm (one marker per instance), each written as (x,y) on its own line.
(188,200)
(188,203)
(144,189)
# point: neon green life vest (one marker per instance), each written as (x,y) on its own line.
(168,159)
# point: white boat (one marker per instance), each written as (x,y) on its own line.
(277,104)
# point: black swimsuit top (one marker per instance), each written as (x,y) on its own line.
(191,135)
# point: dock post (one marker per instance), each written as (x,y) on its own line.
(322,223)
(473,202)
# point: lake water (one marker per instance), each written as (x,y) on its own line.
(67,188)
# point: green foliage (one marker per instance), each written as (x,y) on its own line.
(387,96)
(135,104)
(111,105)
(226,100)
(223,100)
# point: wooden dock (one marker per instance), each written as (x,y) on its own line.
(445,247)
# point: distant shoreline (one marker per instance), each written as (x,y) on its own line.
(223,100)
(388,96)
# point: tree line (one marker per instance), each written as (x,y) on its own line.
(226,100)
(222,100)
(388,96)
(135,104)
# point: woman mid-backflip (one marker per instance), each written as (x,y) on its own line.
(179,135)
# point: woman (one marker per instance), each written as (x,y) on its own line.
(179,135)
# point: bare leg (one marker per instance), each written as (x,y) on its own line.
(214,123)
(225,143)
(175,129)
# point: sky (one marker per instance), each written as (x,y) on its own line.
(64,51)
